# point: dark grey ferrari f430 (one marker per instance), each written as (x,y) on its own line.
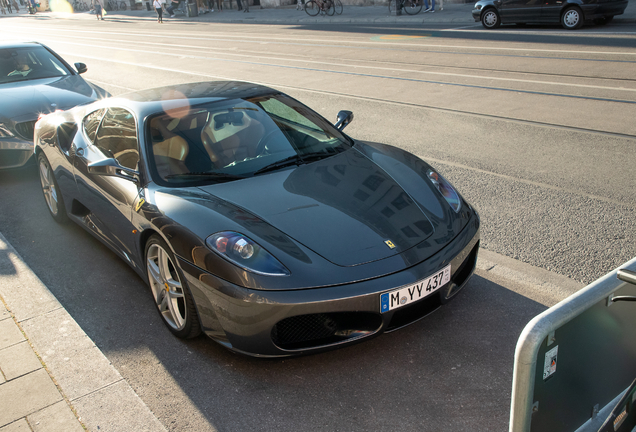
(255,220)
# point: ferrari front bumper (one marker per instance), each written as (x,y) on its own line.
(293,322)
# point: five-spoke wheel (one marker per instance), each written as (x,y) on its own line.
(51,191)
(170,290)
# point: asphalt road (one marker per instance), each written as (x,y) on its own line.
(535,127)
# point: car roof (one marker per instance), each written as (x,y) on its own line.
(200,90)
(153,100)
(14,44)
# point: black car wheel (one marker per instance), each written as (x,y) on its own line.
(490,19)
(572,18)
(170,290)
(51,191)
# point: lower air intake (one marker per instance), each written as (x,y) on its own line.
(314,330)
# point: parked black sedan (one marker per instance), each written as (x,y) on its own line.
(34,81)
(255,220)
(570,13)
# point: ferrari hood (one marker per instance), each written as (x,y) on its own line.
(345,208)
(24,100)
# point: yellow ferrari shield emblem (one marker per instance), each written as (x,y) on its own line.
(139,204)
(390,244)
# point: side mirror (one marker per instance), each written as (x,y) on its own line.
(81,68)
(344,118)
(110,167)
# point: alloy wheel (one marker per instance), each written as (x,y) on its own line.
(167,287)
(48,187)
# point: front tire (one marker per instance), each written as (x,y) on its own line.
(51,191)
(572,18)
(312,8)
(490,19)
(170,290)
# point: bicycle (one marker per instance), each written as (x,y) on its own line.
(111,5)
(411,7)
(123,5)
(337,7)
(314,7)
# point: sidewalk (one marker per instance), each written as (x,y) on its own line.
(52,376)
(453,13)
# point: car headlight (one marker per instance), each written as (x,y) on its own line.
(245,253)
(446,189)
(5,132)
(477,6)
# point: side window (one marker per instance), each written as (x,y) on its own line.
(91,122)
(117,137)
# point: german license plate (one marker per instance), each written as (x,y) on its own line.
(411,293)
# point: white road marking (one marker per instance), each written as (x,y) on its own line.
(410,71)
(223,37)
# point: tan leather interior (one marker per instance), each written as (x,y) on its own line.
(230,142)
(170,150)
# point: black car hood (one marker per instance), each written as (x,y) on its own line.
(25,100)
(345,208)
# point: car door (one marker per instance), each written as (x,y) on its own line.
(106,200)
(520,11)
(551,11)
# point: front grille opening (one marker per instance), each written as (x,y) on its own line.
(314,330)
(411,313)
(14,158)
(466,268)
(25,130)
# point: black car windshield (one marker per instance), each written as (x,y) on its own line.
(28,63)
(234,139)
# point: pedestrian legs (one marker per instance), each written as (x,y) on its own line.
(159,15)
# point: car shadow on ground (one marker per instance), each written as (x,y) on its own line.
(451,370)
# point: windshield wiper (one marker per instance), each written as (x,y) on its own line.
(288,161)
(297,159)
(214,175)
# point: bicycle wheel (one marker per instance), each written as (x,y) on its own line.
(392,6)
(338,7)
(84,6)
(412,7)
(329,9)
(312,8)
(122,6)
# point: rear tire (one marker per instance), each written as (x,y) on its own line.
(412,7)
(572,18)
(51,191)
(337,5)
(490,19)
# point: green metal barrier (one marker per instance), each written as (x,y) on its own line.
(575,364)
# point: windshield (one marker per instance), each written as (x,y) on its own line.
(234,139)
(27,63)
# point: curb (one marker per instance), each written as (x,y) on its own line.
(98,394)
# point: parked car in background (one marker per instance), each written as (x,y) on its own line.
(570,13)
(254,219)
(34,81)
